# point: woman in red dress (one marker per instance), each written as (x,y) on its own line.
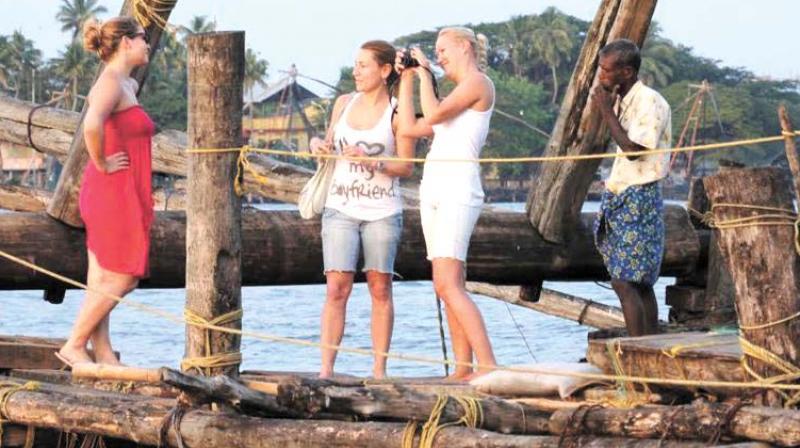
(115,199)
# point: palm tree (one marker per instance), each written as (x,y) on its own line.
(22,57)
(5,63)
(74,13)
(74,66)
(255,71)
(198,24)
(552,42)
(659,56)
(514,38)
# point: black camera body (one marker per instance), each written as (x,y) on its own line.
(407,60)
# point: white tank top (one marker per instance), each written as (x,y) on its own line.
(461,137)
(355,191)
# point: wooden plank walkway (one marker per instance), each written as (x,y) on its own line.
(691,355)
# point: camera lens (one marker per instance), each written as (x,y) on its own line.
(409,61)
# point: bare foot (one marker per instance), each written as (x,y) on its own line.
(458,377)
(325,375)
(70,356)
(108,360)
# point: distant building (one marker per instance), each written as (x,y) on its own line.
(21,165)
(283,114)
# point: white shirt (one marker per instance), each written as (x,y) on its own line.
(356,191)
(459,138)
(647,119)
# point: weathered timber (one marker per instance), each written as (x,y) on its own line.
(22,199)
(53,129)
(64,377)
(17,436)
(693,356)
(27,352)
(689,422)
(763,264)
(555,199)
(280,248)
(791,148)
(140,419)
(221,388)
(554,303)
(214,210)
(64,205)
(399,404)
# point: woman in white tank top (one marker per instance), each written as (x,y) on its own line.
(364,207)
(450,192)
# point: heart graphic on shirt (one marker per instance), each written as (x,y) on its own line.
(371,149)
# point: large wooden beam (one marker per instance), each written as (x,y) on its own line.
(280,248)
(22,199)
(555,199)
(52,131)
(763,262)
(214,212)
(64,205)
(555,303)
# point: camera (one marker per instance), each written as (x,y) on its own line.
(407,60)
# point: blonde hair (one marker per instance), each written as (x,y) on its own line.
(478,41)
(103,38)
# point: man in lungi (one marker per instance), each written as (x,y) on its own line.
(629,229)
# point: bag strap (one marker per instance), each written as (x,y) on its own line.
(335,119)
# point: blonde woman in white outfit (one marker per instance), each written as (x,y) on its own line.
(451,194)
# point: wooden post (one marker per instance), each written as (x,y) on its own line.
(763,264)
(64,205)
(214,211)
(555,199)
(791,149)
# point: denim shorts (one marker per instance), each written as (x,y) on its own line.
(343,236)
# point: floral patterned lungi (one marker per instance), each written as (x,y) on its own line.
(629,233)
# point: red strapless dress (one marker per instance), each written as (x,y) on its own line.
(117,208)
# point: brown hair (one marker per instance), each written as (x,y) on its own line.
(104,38)
(384,53)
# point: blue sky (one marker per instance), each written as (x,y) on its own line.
(321,36)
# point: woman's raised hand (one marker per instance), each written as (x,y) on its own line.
(116,162)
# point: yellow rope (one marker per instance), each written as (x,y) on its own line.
(7,389)
(149,12)
(211,361)
(790,371)
(472,418)
(532,159)
(399,356)
(408,435)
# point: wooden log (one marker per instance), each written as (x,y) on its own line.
(140,419)
(396,403)
(688,422)
(555,199)
(64,205)
(791,149)
(119,373)
(280,248)
(691,355)
(214,212)
(763,264)
(554,303)
(53,130)
(26,352)
(221,388)
(21,199)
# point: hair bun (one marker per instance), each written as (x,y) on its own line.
(92,35)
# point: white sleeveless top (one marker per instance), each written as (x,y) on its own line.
(356,191)
(461,137)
